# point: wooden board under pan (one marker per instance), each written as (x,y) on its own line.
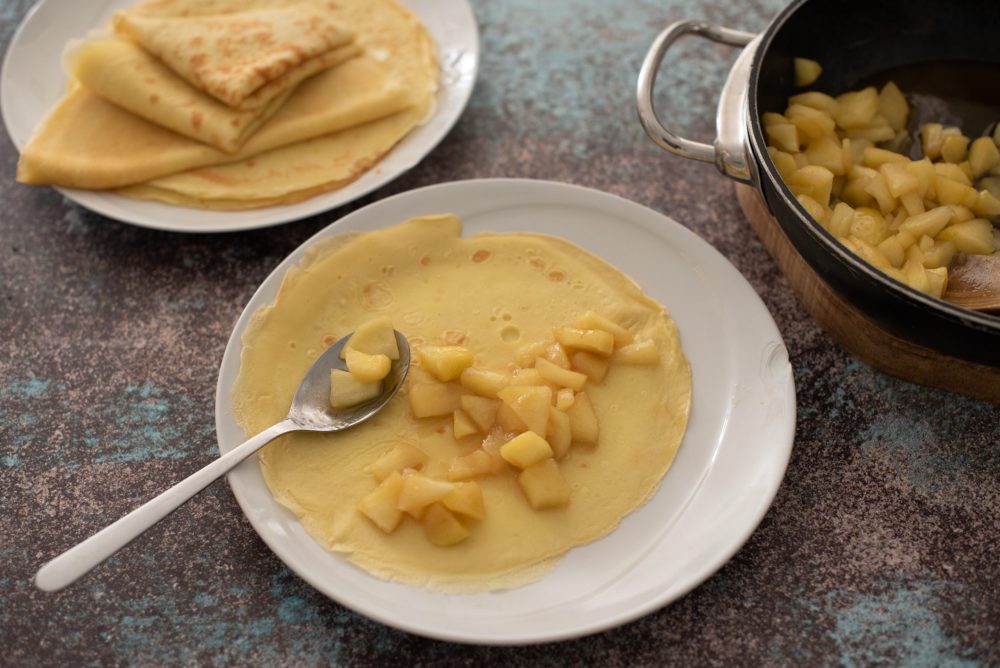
(861,336)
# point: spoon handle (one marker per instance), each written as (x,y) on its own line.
(76,561)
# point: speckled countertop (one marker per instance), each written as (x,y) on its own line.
(882,546)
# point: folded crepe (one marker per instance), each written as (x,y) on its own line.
(299,171)
(244,58)
(121,72)
(285,175)
(88,142)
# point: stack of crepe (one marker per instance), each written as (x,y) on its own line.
(235,104)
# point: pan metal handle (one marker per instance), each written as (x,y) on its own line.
(730,159)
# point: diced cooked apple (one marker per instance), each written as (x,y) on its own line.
(466,499)
(418,491)
(857,109)
(560,376)
(913,203)
(983,156)
(592,340)
(544,486)
(559,433)
(442,528)
(555,353)
(960,214)
(445,362)
(463,425)
(526,354)
(564,398)
(806,71)
(893,250)
(375,337)
(529,376)
(930,140)
(879,189)
(987,204)
(954,148)
(783,135)
(940,254)
(593,366)
(893,105)
(928,223)
(638,353)
(550,350)
(510,421)
(594,320)
(924,171)
(812,180)
(937,281)
(526,449)
(953,172)
(783,161)
(950,191)
(816,100)
(367,368)
(583,420)
(401,456)
(972,236)
(434,399)
(898,179)
(826,152)
(482,410)
(916,275)
(473,465)
(811,123)
(841,220)
(530,403)
(347,391)
(483,382)
(380,506)
(868,225)
(876,157)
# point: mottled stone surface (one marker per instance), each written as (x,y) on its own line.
(881,546)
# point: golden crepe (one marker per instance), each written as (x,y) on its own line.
(495,292)
(121,72)
(237,56)
(88,142)
(303,170)
(285,175)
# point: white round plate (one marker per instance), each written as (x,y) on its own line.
(726,473)
(32,81)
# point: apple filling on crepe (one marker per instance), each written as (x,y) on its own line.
(418,274)
(89,142)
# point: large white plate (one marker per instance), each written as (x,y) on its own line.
(726,473)
(32,81)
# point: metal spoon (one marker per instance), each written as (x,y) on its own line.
(310,411)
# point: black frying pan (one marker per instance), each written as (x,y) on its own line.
(856,42)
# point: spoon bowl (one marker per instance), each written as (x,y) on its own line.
(310,411)
(311,406)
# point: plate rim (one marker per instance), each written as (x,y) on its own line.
(781,447)
(107,203)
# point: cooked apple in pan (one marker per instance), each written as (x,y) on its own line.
(840,156)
